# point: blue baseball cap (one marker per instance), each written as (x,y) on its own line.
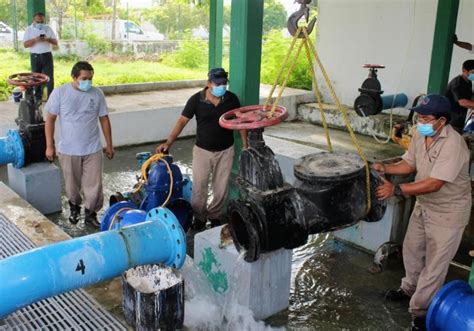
(217,76)
(433,104)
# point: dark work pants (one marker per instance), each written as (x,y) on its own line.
(43,63)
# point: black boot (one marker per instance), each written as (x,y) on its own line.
(214,222)
(75,213)
(198,224)
(91,218)
(396,295)
(418,324)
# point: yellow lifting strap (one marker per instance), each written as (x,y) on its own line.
(311,50)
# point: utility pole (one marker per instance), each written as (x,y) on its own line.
(15,26)
(114,14)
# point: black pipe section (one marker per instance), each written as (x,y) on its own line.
(31,128)
(329,194)
(369,102)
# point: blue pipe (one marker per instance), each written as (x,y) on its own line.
(394,100)
(11,149)
(51,270)
(452,308)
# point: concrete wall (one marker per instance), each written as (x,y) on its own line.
(153,86)
(146,126)
(396,33)
(153,125)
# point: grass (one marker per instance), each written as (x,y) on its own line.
(119,71)
(189,62)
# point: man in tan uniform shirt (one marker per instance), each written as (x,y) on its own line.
(440,158)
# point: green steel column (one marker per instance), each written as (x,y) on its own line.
(245,57)
(442,52)
(215,33)
(34,6)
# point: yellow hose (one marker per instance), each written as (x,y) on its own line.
(144,175)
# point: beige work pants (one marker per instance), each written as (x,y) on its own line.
(83,174)
(205,164)
(427,251)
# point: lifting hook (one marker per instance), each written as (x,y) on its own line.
(292,23)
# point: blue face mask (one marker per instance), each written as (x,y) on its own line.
(39,26)
(470,77)
(426,130)
(218,91)
(85,85)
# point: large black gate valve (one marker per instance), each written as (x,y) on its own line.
(369,102)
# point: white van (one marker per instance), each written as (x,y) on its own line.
(6,33)
(124,30)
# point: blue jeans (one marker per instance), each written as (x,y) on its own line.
(43,63)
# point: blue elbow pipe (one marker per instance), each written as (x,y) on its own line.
(394,100)
(51,270)
(452,308)
(12,150)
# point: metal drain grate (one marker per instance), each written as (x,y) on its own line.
(74,310)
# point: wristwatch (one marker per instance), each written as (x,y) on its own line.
(397,191)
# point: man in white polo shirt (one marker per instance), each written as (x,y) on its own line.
(40,38)
(80,107)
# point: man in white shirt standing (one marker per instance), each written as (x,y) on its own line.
(40,38)
(80,107)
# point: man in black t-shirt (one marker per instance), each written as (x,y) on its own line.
(459,93)
(213,152)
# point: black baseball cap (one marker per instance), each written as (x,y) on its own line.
(217,75)
(433,104)
(40,13)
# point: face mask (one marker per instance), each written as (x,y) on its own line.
(39,26)
(426,130)
(218,91)
(470,77)
(85,85)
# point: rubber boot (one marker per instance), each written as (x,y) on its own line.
(198,224)
(91,218)
(418,324)
(74,213)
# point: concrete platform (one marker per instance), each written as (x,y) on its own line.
(377,124)
(310,135)
(39,184)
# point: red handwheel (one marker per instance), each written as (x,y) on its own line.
(28,79)
(375,66)
(252,117)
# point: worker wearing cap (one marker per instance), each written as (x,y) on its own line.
(440,158)
(213,152)
(40,38)
(459,93)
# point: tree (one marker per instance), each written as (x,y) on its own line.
(6,13)
(58,9)
(174,18)
(274,16)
